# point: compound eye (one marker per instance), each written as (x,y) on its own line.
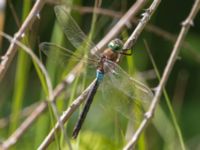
(116,45)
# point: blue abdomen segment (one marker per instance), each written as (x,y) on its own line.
(99,75)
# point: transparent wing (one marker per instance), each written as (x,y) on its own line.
(124,82)
(61,56)
(71,29)
(126,95)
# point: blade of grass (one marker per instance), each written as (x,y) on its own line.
(21,77)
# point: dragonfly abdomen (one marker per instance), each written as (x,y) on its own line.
(85,109)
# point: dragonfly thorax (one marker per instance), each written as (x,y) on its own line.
(110,54)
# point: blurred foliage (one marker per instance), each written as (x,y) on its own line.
(21,86)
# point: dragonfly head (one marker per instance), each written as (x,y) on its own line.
(116,45)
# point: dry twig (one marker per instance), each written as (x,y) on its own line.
(143,22)
(149,27)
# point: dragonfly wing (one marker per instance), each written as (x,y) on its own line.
(61,56)
(124,82)
(129,96)
(71,29)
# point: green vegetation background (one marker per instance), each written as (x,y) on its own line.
(21,86)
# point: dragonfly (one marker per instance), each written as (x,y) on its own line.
(106,65)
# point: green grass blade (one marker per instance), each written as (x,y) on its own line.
(22,74)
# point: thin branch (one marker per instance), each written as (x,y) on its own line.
(102,11)
(145,19)
(120,25)
(149,27)
(71,76)
(8,57)
(184,30)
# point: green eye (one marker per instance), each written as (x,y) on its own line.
(116,45)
